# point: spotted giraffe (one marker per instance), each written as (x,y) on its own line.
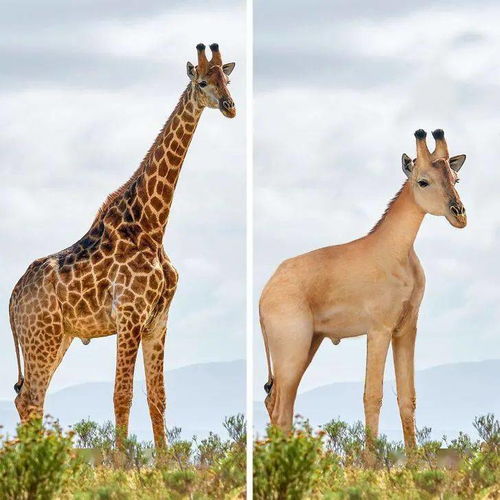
(117,279)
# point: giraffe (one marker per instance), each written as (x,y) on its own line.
(117,279)
(371,286)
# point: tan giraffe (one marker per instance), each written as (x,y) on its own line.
(372,285)
(117,279)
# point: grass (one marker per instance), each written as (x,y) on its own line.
(45,462)
(330,464)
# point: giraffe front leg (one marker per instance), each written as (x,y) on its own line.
(128,339)
(153,350)
(377,346)
(403,349)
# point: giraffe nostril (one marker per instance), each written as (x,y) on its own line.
(457,209)
(227,107)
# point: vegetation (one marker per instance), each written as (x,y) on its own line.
(44,462)
(330,464)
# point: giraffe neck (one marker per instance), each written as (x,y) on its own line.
(145,199)
(396,231)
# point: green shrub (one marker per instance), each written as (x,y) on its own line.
(180,482)
(287,465)
(488,429)
(387,453)
(100,441)
(209,451)
(87,433)
(37,463)
(430,481)
(229,466)
(428,449)
(179,453)
(482,468)
(345,441)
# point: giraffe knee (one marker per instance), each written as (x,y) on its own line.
(122,403)
(157,405)
(407,408)
(407,405)
(372,403)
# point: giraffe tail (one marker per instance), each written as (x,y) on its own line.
(269,384)
(20,379)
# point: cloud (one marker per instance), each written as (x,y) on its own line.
(112,48)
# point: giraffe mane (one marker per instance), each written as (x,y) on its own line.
(386,211)
(118,193)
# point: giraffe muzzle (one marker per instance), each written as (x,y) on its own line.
(458,212)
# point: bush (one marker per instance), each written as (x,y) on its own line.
(482,468)
(229,465)
(180,482)
(430,481)
(38,462)
(99,441)
(287,465)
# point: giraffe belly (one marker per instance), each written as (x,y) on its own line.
(89,327)
(88,320)
(340,321)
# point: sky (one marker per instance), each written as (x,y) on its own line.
(84,89)
(340,87)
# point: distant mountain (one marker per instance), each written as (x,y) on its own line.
(448,399)
(199,397)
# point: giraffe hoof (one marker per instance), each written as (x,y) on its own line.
(85,341)
(336,341)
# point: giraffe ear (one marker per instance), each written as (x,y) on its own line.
(406,164)
(228,68)
(191,71)
(456,162)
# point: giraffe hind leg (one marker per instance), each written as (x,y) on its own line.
(270,400)
(39,369)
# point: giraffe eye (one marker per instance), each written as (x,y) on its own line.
(203,84)
(423,183)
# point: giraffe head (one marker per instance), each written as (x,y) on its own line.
(433,176)
(210,80)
